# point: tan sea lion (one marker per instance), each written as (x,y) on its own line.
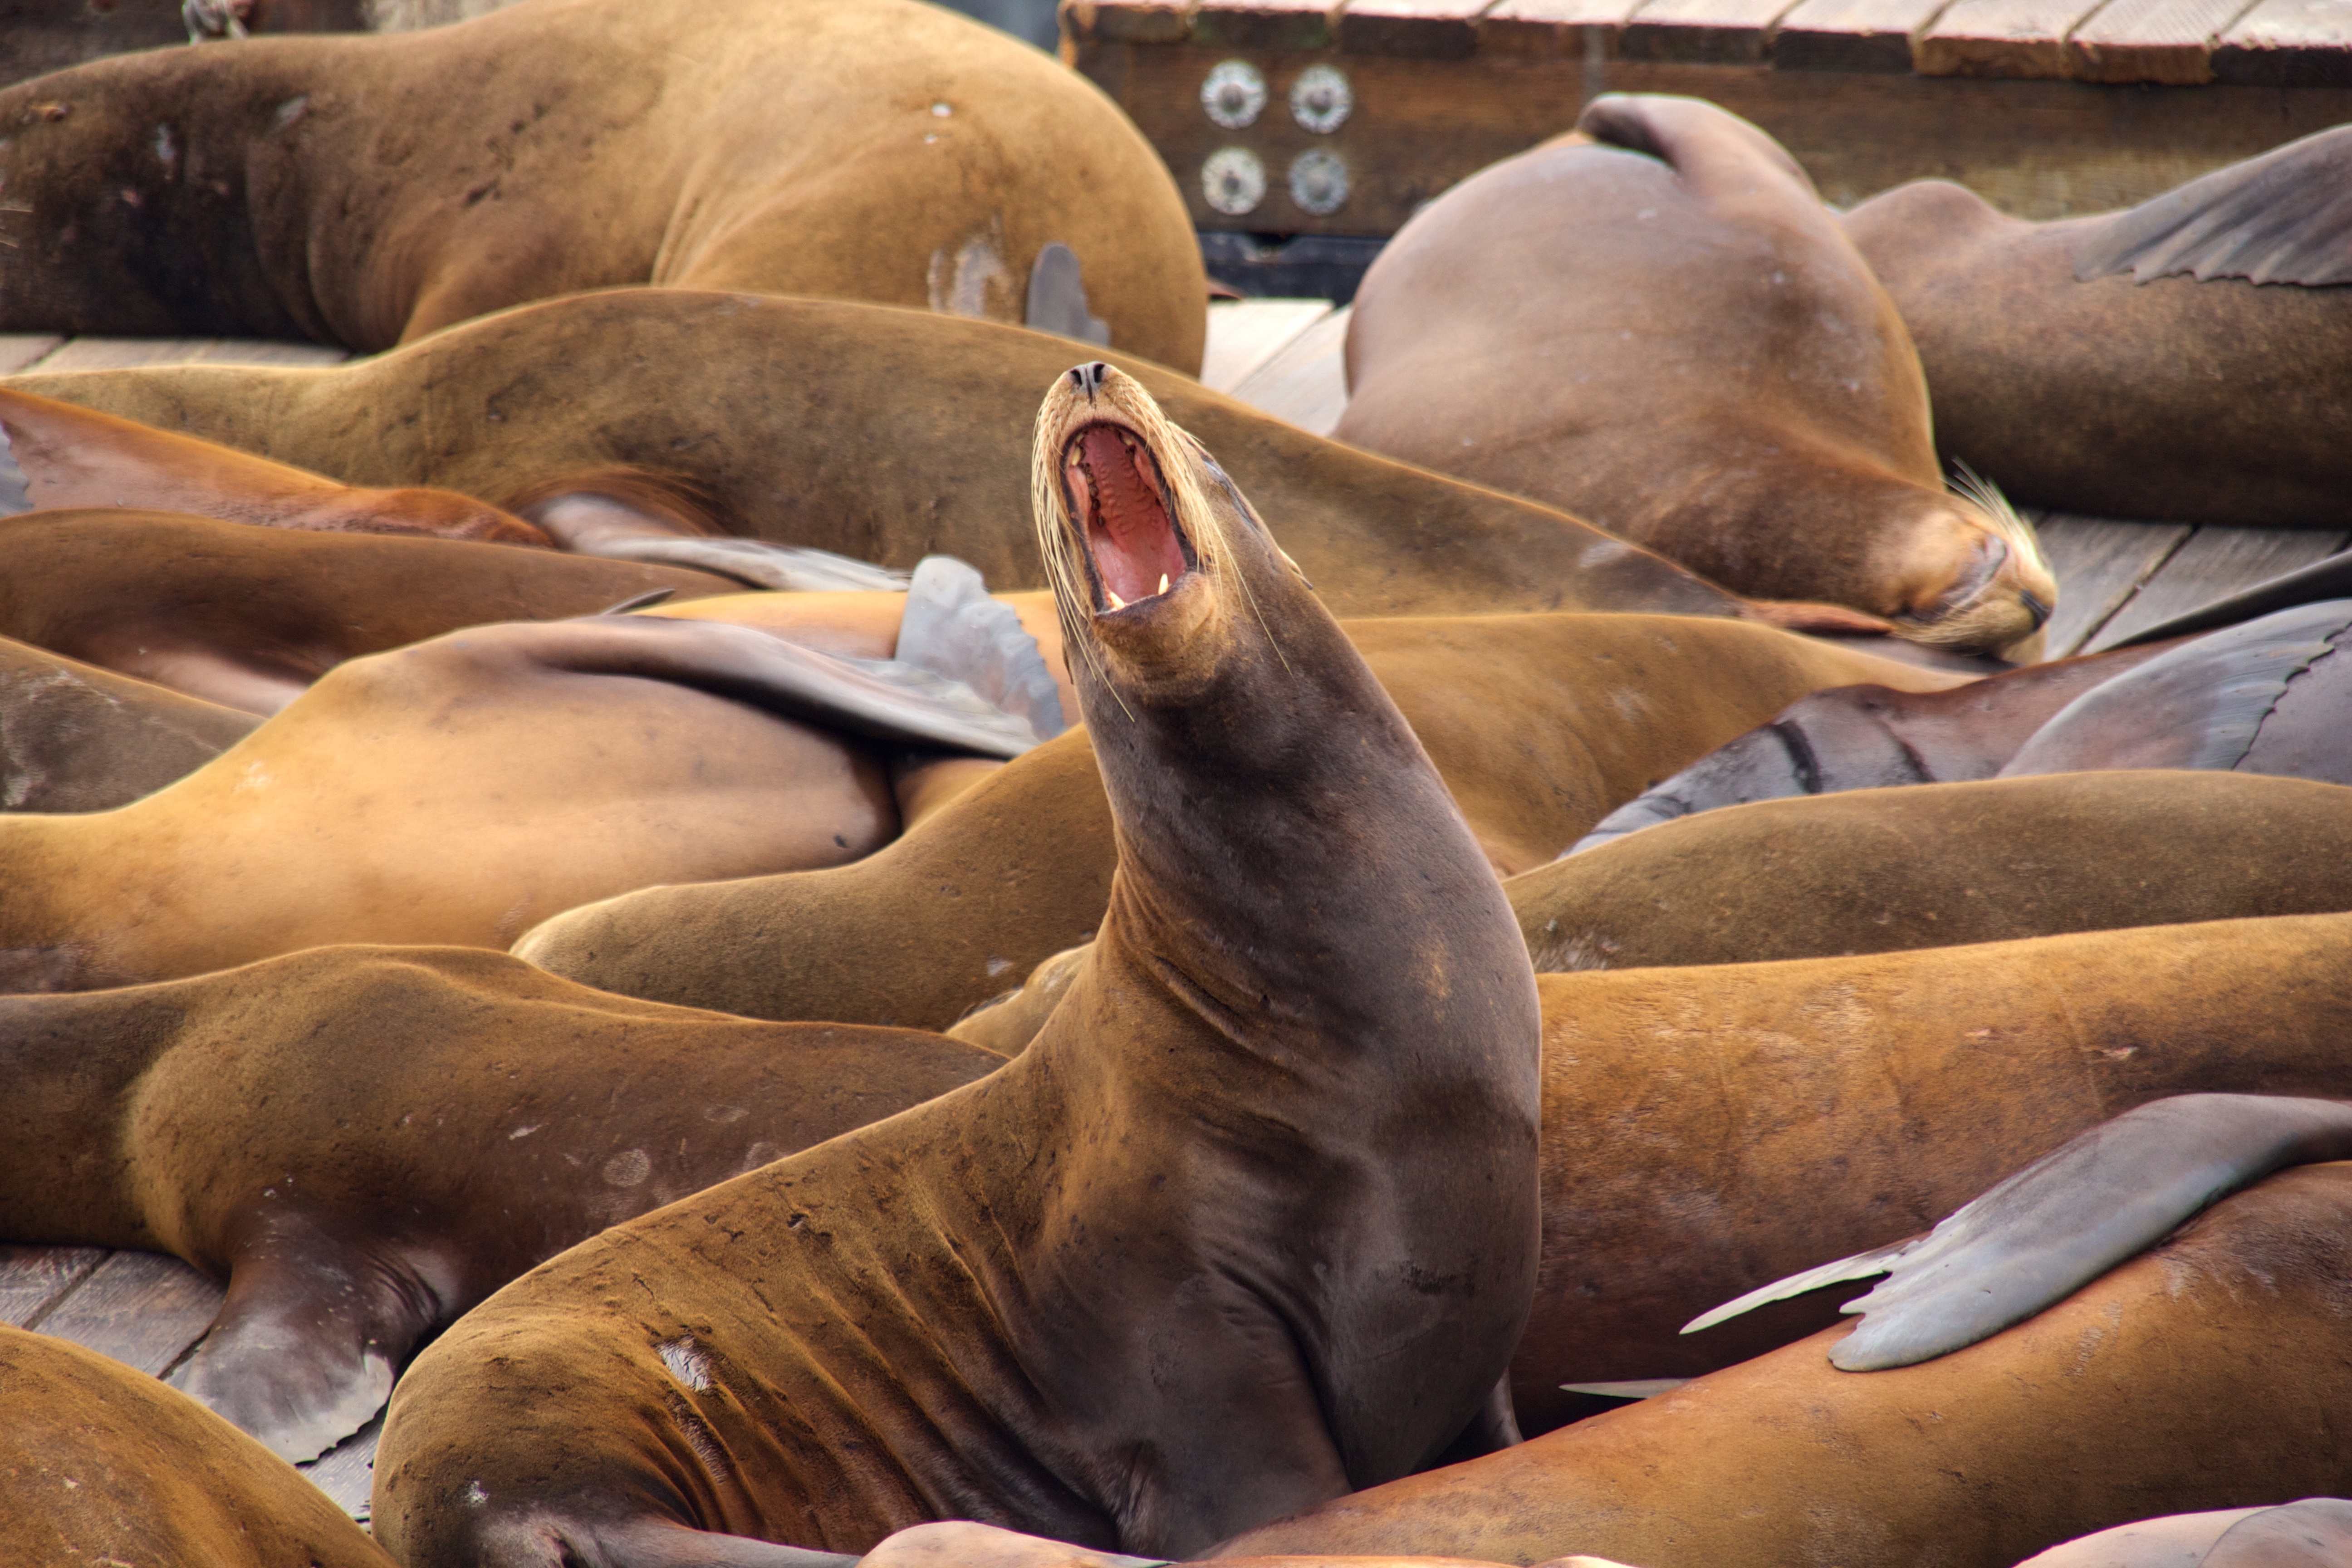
(2205,1375)
(1250,1223)
(881,435)
(461,789)
(366,190)
(2312,1533)
(74,737)
(2186,358)
(101,1464)
(362,1143)
(1538,723)
(1885,870)
(1656,325)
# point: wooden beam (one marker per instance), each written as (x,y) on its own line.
(2000,38)
(2169,41)
(2288,43)
(1852,35)
(1702,32)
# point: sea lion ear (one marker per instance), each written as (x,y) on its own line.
(2061,1222)
(2283,218)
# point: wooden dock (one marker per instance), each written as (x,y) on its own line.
(1282,356)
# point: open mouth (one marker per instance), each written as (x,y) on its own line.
(1119,499)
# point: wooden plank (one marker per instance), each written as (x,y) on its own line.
(1287,24)
(268,351)
(32,1280)
(1581,32)
(143,1309)
(1702,32)
(1852,35)
(2000,38)
(1129,21)
(346,1472)
(2216,561)
(126,354)
(23,350)
(1306,382)
(2100,563)
(2288,43)
(1422,29)
(2151,40)
(1246,333)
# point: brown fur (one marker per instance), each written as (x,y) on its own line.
(367,191)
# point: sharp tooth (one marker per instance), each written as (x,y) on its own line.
(1112,594)
(1163,582)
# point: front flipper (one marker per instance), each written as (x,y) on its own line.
(953,628)
(2062,1222)
(2283,218)
(312,1333)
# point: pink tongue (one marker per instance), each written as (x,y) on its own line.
(1134,544)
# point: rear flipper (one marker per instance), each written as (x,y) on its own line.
(309,1338)
(2061,1222)
(2283,218)
(953,628)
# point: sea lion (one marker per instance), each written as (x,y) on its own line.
(463,788)
(367,191)
(1656,325)
(249,617)
(74,737)
(1884,870)
(102,1464)
(2314,1533)
(1538,723)
(2203,1375)
(1250,1223)
(363,1143)
(772,413)
(2186,358)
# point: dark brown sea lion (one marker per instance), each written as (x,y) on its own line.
(249,617)
(774,414)
(2315,1533)
(99,1464)
(1538,723)
(1250,1223)
(363,1143)
(74,737)
(366,190)
(1656,325)
(464,788)
(2205,1375)
(2187,358)
(1885,870)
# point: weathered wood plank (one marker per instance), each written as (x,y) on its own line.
(1584,33)
(1246,333)
(126,354)
(2151,40)
(1852,35)
(1422,29)
(2000,38)
(143,1309)
(268,351)
(23,350)
(1287,24)
(2100,563)
(346,1472)
(1306,382)
(2288,43)
(1702,32)
(2213,563)
(32,1280)
(1128,21)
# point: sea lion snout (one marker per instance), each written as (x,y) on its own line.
(1978,577)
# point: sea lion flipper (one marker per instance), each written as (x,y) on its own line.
(953,628)
(754,562)
(2069,1217)
(1861,1266)
(2283,218)
(1057,298)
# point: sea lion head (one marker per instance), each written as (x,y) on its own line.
(1969,574)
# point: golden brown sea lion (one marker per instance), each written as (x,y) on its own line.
(363,1143)
(2312,1533)
(2207,1374)
(461,789)
(74,737)
(99,1464)
(1884,870)
(1250,1223)
(1656,325)
(366,190)
(882,435)
(1538,723)
(2187,358)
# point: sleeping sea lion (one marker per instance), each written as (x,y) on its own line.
(366,190)
(882,435)
(363,1143)
(99,1464)
(461,789)
(2191,357)
(1883,870)
(1655,323)
(1252,1223)
(1538,723)
(74,737)
(2312,1533)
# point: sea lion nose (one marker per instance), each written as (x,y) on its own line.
(1089,378)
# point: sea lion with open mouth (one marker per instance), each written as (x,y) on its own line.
(369,190)
(1249,1224)
(1653,323)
